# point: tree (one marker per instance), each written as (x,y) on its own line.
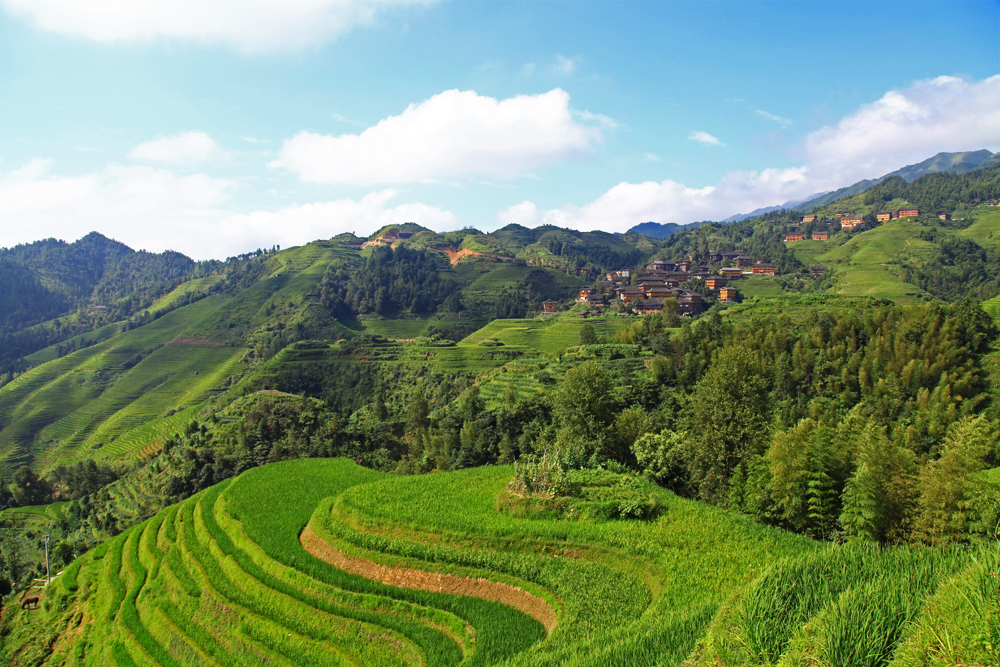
(661,458)
(587,334)
(584,408)
(418,411)
(728,420)
(949,488)
(803,478)
(29,488)
(11,557)
(880,496)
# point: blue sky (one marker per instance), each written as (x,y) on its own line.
(214,127)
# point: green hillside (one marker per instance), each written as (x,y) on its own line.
(323,562)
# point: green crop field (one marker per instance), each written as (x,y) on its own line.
(545,335)
(322,562)
(66,408)
(986,229)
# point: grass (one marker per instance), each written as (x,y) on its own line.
(986,229)
(222,578)
(62,410)
(620,605)
(846,605)
(547,336)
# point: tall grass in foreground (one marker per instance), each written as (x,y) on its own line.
(848,606)
(960,624)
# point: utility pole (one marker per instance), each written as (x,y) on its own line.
(47,577)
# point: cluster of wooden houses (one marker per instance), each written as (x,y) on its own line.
(662,279)
(850,220)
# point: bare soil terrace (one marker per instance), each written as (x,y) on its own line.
(434,582)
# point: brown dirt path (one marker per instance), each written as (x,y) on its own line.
(456,256)
(435,582)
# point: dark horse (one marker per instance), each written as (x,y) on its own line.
(28,602)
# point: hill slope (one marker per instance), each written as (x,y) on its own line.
(322,562)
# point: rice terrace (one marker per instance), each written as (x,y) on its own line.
(377,333)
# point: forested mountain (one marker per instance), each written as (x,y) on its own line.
(950,163)
(88,282)
(851,397)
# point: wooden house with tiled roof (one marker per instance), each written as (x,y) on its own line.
(689,302)
(648,306)
(728,294)
(714,282)
(630,294)
(731,272)
(763,269)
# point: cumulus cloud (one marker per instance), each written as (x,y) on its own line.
(454,134)
(907,126)
(705,139)
(295,225)
(186,149)
(525,214)
(903,127)
(154,209)
(249,25)
(564,65)
(151,208)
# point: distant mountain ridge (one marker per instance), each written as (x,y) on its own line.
(956,163)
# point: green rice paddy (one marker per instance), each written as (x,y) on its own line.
(223,578)
(548,336)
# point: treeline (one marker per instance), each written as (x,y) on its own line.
(959,268)
(93,282)
(390,281)
(762,238)
(517,301)
(941,192)
(848,424)
(578,254)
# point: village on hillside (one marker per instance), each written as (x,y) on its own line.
(645,290)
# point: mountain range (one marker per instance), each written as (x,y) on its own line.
(955,163)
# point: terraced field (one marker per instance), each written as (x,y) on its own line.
(548,336)
(62,410)
(321,562)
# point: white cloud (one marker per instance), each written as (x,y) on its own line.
(187,149)
(145,207)
(705,139)
(903,127)
(771,116)
(525,213)
(907,126)
(249,25)
(452,135)
(154,209)
(564,65)
(295,225)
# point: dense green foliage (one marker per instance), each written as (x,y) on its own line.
(961,268)
(389,281)
(940,192)
(871,421)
